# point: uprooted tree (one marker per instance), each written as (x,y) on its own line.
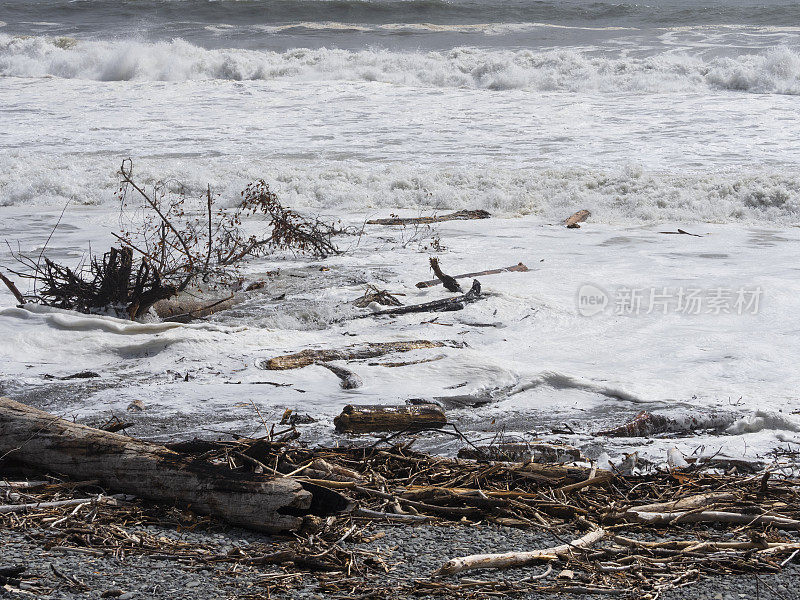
(166,246)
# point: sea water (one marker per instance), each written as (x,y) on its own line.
(654,117)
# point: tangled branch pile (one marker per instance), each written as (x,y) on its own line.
(646,534)
(166,246)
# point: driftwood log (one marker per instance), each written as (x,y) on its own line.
(364,419)
(122,464)
(518,268)
(539,452)
(461,215)
(578,217)
(444,305)
(518,559)
(310,357)
(347,379)
(448,281)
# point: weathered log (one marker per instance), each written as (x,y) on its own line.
(461,215)
(687,503)
(518,268)
(714,516)
(347,379)
(646,424)
(310,357)
(449,282)
(517,559)
(522,452)
(444,305)
(186,309)
(578,217)
(122,464)
(364,419)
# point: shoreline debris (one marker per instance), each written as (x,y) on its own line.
(518,268)
(355,352)
(444,305)
(461,215)
(366,419)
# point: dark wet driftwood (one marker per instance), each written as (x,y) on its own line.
(444,305)
(364,419)
(518,268)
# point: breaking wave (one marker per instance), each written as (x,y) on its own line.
(626,194)
(774,71)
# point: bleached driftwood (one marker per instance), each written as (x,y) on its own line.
(444,305)
(185,309)
(645,423)
(122,464)
(309,357)
(518,559)
(714,516)
(518,268)
(17,508)
(461,215)
(578,217)
(688,503)
(363,419)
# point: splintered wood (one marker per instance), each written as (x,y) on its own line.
(461,215)
(309,357)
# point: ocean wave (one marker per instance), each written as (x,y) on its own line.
(774,71)
(628,194)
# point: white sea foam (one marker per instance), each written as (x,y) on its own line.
(624,195)
(774,71)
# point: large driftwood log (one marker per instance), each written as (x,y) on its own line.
(185,308)
(645,424)
(310,357)
(364,419)
(444,305)
(461,215)
(122,464)
(538,452)
(517,559)
(518,268)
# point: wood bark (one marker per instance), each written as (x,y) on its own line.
(364,419)
(518,268)
(449,282)
(461,215)
(517,559)
(444,305)
(12,288)
(122,464)
(310,357)
(347,379)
